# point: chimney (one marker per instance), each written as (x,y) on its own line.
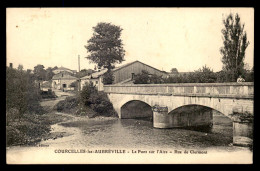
(11,65)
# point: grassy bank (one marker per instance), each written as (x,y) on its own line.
(89,102)
(31,128)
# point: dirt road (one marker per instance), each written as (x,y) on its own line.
(48,104)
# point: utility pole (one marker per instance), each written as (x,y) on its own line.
(79,72)
(79,62)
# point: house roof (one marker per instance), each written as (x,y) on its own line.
(46,84)
(95,74)
(125,65)
(63,76)
(63,68)
(103,71)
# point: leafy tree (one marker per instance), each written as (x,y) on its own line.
(106,48)
(29,71)
(21,92)
(174,71)
(142,78)
(108,78)
(39,72)
(224,76)
(235,44)
(205,75)
(146,78)
(49,73)
(249,75)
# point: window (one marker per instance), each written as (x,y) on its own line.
(64,85)
(133,76)
(96,82)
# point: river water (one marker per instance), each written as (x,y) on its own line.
(140,133)
(130,136)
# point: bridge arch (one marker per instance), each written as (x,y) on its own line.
(213,104)
(199,107)
(136,109)
(196,115)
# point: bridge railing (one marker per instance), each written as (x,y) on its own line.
(239,90)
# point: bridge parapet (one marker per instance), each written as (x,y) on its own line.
(228,90)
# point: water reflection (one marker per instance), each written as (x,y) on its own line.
(139,133)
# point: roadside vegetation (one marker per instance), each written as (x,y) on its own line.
(27,122)
(202,75)
(88,102)
(23,109)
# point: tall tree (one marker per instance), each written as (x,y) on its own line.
(105,46)
(39,72)
(49,74)
(235,44)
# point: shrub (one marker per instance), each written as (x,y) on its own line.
(146,78)
(25,132)
(100,103)
(89,97)
(14,136)
(70,104)
(85,93)
(48,94)
(108,78)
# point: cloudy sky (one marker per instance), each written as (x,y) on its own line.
(165,38)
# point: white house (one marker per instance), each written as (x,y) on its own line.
(62,81)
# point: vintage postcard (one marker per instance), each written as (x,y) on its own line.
(129,85)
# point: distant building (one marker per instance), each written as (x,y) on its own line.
(122,75)
(45,85)
(63,69)
(63,80)
(96,78)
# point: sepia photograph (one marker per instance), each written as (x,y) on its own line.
(129,85)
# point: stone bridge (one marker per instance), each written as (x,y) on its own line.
(168,100)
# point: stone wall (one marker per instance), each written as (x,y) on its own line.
(233,90)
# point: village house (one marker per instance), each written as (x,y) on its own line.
(122,75)
(45,85)
(63,81)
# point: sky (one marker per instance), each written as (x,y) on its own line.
(165,38)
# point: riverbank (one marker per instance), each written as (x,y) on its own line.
(52,122)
